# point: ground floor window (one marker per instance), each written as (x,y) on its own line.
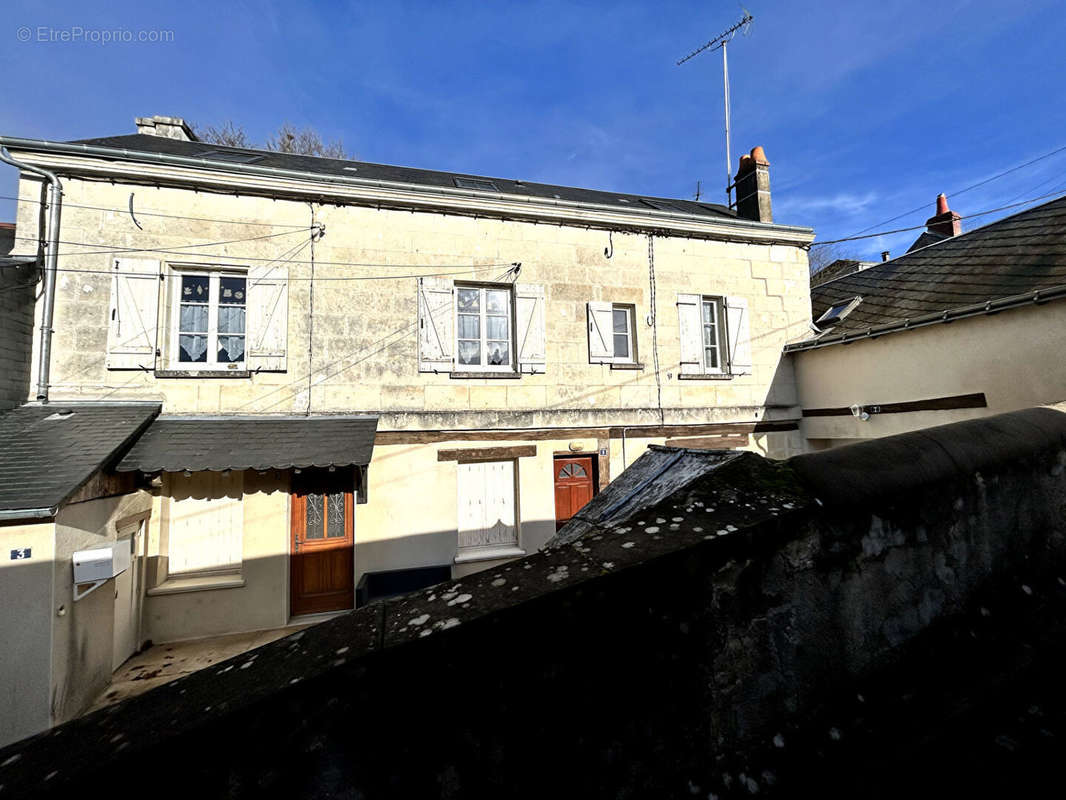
(205,522)
(487,507)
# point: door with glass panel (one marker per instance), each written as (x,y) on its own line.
(322,561)
(574,486)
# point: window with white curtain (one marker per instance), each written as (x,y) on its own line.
(488,520)
(206,522)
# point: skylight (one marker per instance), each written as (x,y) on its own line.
(836,313)
(476,183)
(661,205)
(230,157)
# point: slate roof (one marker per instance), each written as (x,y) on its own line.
(175,444)
(927,238)
(333,167)
(1011,257)
(47,454)
(838,269)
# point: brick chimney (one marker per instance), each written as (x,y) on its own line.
(753,187)
(167,127)
(946,221)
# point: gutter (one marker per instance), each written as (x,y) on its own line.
(761,231)
(28,513)
(51,255)
(948,315)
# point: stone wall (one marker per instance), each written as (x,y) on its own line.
(353,347)
(636,661)
(18,290)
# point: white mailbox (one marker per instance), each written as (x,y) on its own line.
(100,564)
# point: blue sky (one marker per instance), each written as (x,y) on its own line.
(866,110)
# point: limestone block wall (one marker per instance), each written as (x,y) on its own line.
(352,344)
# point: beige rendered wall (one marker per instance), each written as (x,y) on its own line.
(263,599)
(82,638)
(362,353)
(1013,357)
(25,630)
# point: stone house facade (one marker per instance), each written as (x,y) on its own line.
(516,345)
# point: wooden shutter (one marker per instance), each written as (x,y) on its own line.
(436,324)
(133,325)
(601,342)
(529,327)
(737,318)
(690,332)
(268,318)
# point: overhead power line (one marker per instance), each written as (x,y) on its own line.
(120,249)
(955,194)
(918,227)
(141,213)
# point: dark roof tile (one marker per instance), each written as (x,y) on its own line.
(334,167)
(1013,256)
(47,454)
(175,444)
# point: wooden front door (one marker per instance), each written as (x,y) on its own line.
(573,487)
(322,562)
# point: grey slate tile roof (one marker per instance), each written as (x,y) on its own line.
(175,444)
(418,177)
(838,269)
(46,454)
(1013,256)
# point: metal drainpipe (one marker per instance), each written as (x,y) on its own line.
(51,262)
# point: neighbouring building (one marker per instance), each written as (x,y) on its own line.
(59,497)
(376,377)
(967,326)
(18,290)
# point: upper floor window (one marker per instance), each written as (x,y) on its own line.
(484,316)
(209,320)
(713,340)
(470,329)
(612,333)
(197,318)
(714,336)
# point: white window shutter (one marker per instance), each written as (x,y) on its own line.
(601,341)
(690,332)
(436,324)
(529,327)
(268,318)
(133,324)
(737,321)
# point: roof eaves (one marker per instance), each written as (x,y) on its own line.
(116,453)
(947,315)
(801,233)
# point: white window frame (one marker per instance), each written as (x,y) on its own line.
(721,334)
(483,327)
(497,550)
(631,333)
(214,276)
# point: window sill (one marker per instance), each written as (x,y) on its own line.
(626,365)
(459,375)
(204,373)
(708,377)
(488,554)
(196,583)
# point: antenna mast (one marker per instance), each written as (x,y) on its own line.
(721,41)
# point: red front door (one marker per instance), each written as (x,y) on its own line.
(573,487)
(322,562)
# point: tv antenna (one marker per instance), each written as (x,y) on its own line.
(720,42)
